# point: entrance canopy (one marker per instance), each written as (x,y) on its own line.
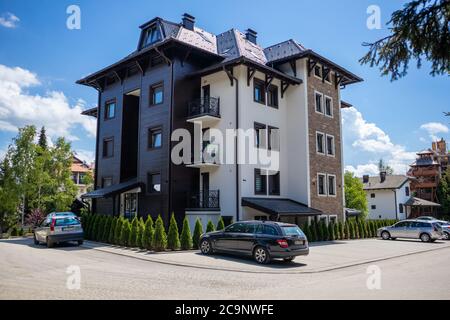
(280,207)
(113,190)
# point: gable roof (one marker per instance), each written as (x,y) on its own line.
(417,202)
(391,182)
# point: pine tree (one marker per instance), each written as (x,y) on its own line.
(352,230)
(125,233)
(331,235)
(42,142)
(106,228)
(101,228)
(132,240)
(305,230)
(210,227)
(95,226)
(159,242)
(362,234)
(148,233)
(341,230)
(347,230)
(118,230)
(140,236)
(186,237)
(356,226)
(313,231)
(112,228)
(198,231)
(173,237)
(221,224)
(324,231)
(337,231)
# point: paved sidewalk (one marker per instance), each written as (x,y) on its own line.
(325,256)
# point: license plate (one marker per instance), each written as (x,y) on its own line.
(299,242)
(68,229)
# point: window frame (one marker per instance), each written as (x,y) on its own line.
(107,178)
(257,126)
(109,103)
(258,82)
(272,91)
(269,136)
(107,139)
(145,35)
(324,194)
(334,185)
(325,97)
(152,92)
(150,132)
(323,143)
(318,66)
(333,146)
(317,93)
(270,182)
(263,182)
(151,174)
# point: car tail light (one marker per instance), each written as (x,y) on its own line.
(283,243)
(52,226)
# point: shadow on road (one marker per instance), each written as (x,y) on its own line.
(65,246)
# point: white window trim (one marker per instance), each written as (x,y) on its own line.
(325,106)
(328,190)
(333,146)
(330,75)
(314,71)
(324,143)
(315,102)
(325,185)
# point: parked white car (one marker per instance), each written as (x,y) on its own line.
(58,229)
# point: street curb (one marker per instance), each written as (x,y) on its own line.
(133,255)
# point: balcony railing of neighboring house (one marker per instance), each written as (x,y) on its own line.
(207,106)
(203,199)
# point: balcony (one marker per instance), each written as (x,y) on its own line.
(210,157)
(203,200)
(205,110)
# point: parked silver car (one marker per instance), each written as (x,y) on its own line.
(445,229)
(57,229)
(427,231)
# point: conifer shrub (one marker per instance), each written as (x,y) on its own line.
(148,233)
(186,237)
(198,231)
(95,227)
(100,228)
(141,228)
(159,241)
(118,231)
(132,240)
(220,224)
(210,227)
(125,233)
(331,235)
(173,237)
(112,228)
(337,231)
(305,230)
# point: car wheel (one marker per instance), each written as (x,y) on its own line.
(425,237)
(289,259)
(36,242)
(205,247)
(49,243)
(261,255)
(80,242)
(446,236)
(385,235)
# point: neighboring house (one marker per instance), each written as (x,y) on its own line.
(427,170)
(183,77)
(79,170)
(387,196)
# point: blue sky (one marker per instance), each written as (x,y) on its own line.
(391,120)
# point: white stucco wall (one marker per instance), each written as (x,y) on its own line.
(387,203)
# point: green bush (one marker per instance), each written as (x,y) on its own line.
(305,230)
(132,240)
(112,228)
(313,231)
(331,231)
(148,233)
(125,233)
(186,237)
(341,228)
(220,224)
(100,228)
(159,242)
(210,227)
(324,231)
(88,226)
(140,235)
(118,230)
(107,228)
(337,231)
(13,232)
(95,227)
(198,231)
(173,237)
(362,232)
(351,227)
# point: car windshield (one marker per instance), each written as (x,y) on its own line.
(292,231)
(67,221)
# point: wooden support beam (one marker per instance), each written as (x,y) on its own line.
(250,74)
(325,72)
(269,79)
(229,72)
(311,65)
(284,87)
(186,56)
(293,64)
(161,53)
(338,79)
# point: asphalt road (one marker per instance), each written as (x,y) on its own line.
(35,272)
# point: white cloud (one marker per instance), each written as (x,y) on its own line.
(433,128)
(372,143)
(9,20)
(18,107)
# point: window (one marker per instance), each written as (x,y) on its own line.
(260,135)
(154,182)
(331,185)
(374,207)
(108,147)
(151,36)
(106,182)
(274,139)
(400,208)
(321,184)
(272,96)
(407,191)
(110,110)
(320,148)
(327,77)
(260,218)
(274,184)
(318,71)
(329,106)
(319,98)
(235,228)
(330,145)
(260,182)
(156,94)
(154,138)
(259,92)
(372,195)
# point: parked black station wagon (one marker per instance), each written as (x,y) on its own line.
(264,240)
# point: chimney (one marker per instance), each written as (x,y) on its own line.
(251,35)
(382,176)
(365,178)
(188,21)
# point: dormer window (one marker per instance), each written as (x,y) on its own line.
(151,35)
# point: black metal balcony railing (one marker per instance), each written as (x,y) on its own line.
(209,199)
(204,106)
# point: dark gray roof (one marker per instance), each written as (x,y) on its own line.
(424,162)
(112,190)
(283,50)
(90,112)
(391,182)
(275,206)
(417,202)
